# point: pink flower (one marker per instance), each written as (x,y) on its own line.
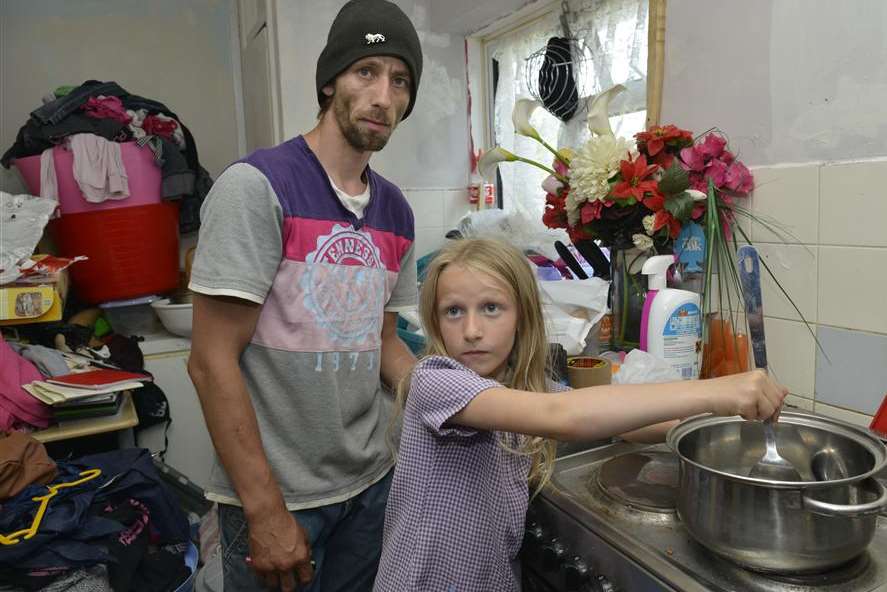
(692,159)
(716,170)
(713,146)
(739,178)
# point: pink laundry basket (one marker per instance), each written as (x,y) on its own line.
(142,174)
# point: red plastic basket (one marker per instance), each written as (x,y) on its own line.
(132,251)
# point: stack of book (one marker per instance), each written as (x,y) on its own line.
(94,393)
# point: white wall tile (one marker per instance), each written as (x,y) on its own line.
(842,414)
(853,207)
(851,369)
(790,197)
(428,208)
(802,403)
(852,285)
(791,355)
(455,206)
(795,267)
(428,238)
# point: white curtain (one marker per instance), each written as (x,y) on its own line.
(614,34)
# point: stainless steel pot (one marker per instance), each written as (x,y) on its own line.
(781,527)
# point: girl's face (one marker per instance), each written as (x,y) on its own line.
(478,319)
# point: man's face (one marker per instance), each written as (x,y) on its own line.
(369,99)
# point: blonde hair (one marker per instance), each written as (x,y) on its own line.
(529,357)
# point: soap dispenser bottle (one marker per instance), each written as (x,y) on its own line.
(671,322)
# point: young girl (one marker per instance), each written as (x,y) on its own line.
(478,414)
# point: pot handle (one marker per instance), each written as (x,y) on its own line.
(847,510)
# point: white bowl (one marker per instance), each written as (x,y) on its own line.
(176,318)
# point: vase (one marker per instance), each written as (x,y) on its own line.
(628,289)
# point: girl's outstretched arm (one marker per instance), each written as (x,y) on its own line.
(604,411)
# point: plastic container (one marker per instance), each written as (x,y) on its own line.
(143,176)
(132,251)
(176,318)
(671,323)
(132,317)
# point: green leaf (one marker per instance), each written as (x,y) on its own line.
(680,206)
(675,180)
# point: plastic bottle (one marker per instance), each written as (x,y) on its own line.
(475,191)
(671,324)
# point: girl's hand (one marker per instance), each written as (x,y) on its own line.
(753,395)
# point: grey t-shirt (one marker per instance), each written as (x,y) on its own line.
(275,233)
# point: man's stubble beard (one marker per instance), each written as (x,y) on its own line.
(360,140)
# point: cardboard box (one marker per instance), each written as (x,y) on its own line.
(22,303)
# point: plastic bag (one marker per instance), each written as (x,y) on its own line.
(22,218)
(514,228)
(641,367)
(571,309)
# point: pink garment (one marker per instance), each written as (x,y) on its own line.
(98,168)
(102,107)
(49,185)
(17,406)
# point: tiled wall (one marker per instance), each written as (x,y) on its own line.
(437,211)
(836,272)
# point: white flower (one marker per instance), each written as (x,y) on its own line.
(596,162)
(642,241)
(697,195)
(598,113)
(520,117)
(648,223)
(490,160)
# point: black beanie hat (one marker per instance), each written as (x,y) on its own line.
(366,28)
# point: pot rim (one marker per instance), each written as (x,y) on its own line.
(859,435)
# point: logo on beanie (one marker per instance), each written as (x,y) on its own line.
(374,38)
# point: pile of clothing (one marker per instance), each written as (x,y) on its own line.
(91,118)
(47,350)
(109,522)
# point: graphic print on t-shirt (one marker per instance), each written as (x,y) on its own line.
(348,310)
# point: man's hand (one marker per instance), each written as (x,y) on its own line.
(279,550)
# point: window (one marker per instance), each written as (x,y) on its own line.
(610,46)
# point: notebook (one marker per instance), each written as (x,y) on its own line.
(99,378)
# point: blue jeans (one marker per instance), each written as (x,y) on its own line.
(346,543)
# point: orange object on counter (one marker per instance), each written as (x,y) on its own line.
(726,351)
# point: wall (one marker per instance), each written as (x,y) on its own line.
(799,88)
(428,153)
(177,53)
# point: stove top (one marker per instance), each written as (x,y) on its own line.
(613,507)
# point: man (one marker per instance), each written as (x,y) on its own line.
(305,256)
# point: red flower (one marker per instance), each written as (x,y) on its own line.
(577,233)
(654,201)
(591,211)
(654,140)
(555,214)
(664,218)
(635,182)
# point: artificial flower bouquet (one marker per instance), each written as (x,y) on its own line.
(662,192)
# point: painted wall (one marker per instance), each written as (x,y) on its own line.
(429,149)
(788,81)
(178,53)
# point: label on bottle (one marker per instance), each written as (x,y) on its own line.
(682,340)
(489,195)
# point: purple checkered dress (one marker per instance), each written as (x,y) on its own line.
(458,501)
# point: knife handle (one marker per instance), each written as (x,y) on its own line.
(750,277)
